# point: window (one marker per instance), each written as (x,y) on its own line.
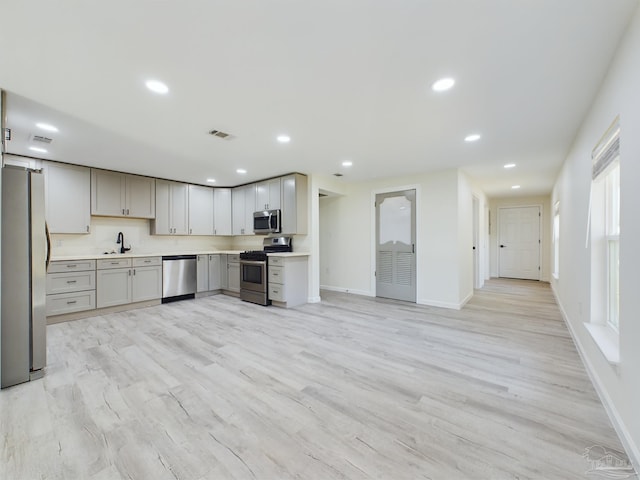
(605,244)
(556,240)
(612,234)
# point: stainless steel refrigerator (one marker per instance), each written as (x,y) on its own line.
(24,251)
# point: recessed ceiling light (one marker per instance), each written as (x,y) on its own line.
(211,180)
(515,187)
(157,87)
(347,163)
(510,165)
(38,149)
(241,171)
(443,85)
(472,138)
(284,138)
(47,127)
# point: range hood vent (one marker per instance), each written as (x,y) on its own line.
(221,134)
(40,139)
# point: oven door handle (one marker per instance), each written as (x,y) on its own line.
(253,262)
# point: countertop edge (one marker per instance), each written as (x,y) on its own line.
(89,256)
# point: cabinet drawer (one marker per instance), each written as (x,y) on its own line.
(70,282)
(70,302)
(276,293)
(276,274)
(233,258)
(277,261)
(71,266)
(147,261)
(106,263)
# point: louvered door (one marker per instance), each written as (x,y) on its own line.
(395,245)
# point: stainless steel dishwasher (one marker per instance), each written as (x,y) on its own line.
(178,277)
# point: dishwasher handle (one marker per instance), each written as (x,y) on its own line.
(178,257)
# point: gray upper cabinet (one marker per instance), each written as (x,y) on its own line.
(200,210)
(68,198)
(243,206)
(140,198)
(116,194)
(294,204)
(268,194)
(172,203)
(222,211)
(237,211)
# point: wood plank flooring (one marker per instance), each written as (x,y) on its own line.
(351,388)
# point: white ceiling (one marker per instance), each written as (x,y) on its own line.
(345,79)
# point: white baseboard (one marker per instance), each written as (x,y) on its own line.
(346,290)
(437,303)
(431,303)
(314,299)
(625,437)
(466,300)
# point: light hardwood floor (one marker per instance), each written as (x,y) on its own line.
(351,388)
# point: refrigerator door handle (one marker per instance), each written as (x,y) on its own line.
(48,235)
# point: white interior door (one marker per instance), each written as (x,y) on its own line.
(519,242)
(476,243)
(395,245)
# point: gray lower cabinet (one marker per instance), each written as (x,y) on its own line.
(71,287)
(146,283)
(233,273)
(224,272)
(215,282)
(124,280)
(288,280)
(209,272)
(202,273)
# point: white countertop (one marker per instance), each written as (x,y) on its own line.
(97,256)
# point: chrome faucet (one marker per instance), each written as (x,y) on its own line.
(120,240)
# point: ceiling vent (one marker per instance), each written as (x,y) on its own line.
(40,139)
(221,134)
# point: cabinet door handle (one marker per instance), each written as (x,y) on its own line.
(123,211)
(115,263)
(190,231)
(127,211)
(87,228)
(134,272)
(71,302)
(129,272)
(71,281)
(71,265)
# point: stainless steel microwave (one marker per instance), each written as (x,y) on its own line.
(266,221)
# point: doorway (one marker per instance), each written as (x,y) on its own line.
(396,245)
(519,242)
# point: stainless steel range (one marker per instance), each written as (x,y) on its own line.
(253,269)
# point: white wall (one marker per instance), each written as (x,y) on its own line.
(545,230)
(443,229)
(619,94)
